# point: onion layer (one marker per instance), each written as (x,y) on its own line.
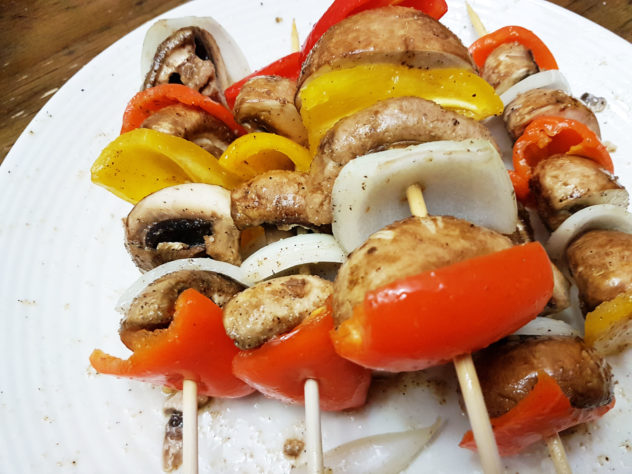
(602,216)
(462,179)
(388,453)
(551,79)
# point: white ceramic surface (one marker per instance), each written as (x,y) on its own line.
(64,267)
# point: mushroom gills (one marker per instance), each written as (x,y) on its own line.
(186,221)
(187,232)
(190,56)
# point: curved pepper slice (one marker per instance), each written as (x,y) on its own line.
(288,66)
(143,161)
(280,367)
(330,96)
(194,347)
(609,327)
(341,9)
(547,136)
(148,101)
(428,319)
(482,47)
(544,412)
(255,153)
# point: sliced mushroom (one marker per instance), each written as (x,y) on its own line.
(563,184)
(266,103)
(538,102)
(507,65)
(154,308)
(185,221)
(194,125)
(273,307)
(395,35)
(190,56)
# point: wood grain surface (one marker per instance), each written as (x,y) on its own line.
(44,42)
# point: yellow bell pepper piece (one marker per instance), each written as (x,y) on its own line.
(143,161)
(333,95)
(255,153)
(609,327)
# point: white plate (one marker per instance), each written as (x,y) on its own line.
(64,267)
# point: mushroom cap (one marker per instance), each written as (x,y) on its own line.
(395,35)
(184,221)
(267,103)
(154,308)
(405,248)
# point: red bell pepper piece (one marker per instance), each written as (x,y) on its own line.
(547,136)
(155,98)
(341,9)
(544,412)
(430,318)
(280,367)
(288,66)
(194,347)
(482,47)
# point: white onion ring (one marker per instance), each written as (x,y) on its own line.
(234,59)
(388,453)
(601,216)
(463,179)
(202,264)
(551,79)
(291,252)
(543,326)
(265,262)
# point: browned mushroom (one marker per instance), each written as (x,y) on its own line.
(507,65)
(266,103)
(538,102)
(395,35)
(194,125)
(563,184)
(154,308)
(190,56)
(273,307)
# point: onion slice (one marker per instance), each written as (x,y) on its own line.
(388,453)
(204,264)
(601,216)
(543,326)
(234,59)
(551,79)
(463,179)
(291,252)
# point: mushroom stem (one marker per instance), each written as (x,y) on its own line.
(466,372)
(189,427)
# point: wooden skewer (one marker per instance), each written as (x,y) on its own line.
(554,443)
(558,454)
(296,46)
(189,427)
(475,20)
(466,373)
(312,427)
(313,436)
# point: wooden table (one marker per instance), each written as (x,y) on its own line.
(43,43)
